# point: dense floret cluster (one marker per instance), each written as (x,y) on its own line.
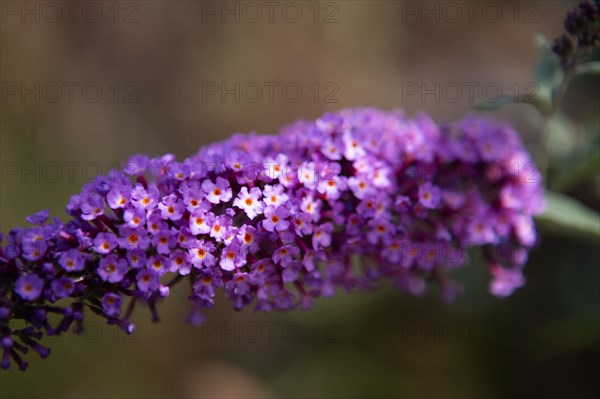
(277,221)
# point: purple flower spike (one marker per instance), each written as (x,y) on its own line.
(277,221)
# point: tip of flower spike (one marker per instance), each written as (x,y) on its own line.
(44,352)
(6,342)
(130,328)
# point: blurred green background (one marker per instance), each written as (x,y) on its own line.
(157,64)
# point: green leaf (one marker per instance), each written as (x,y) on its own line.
(578,171)
(561,134)
(589,67)
(565,215)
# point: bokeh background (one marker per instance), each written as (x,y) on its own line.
(158,65)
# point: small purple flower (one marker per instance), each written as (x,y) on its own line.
(380,177)
(193,196)
(158,264)
(71,260)
(178,171)
(118,197)
(273,166)
(302,224)
(171,207)
(105,243)
(134,217)
(353,150)
(144,200)
(248,237)
(274,195)
(112,268)
(34,244)
(429,195)
(147,281)
(62,287)
(239,284)
(308,174)
(380,230)
(136,258)
(367,207)
(38,218)
(506,281)
(360,186)
(92,206)
(481,230)
(232,256)
(136,165)
(311,206)
(180,263)
(250,201)
(201,255)
(275,219)
(332,150)
(261,270)
(392,252)
(204,287)
(220,228)
(132,239)
(111,304)
(285,255)
(155,224)
(219,192)
(185,239)
(322,236)
(29,287)
(332,188)
(524,229)
(164,241)
(291,272)
(201,222)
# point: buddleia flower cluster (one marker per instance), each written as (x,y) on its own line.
(583,25)
(276,221)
